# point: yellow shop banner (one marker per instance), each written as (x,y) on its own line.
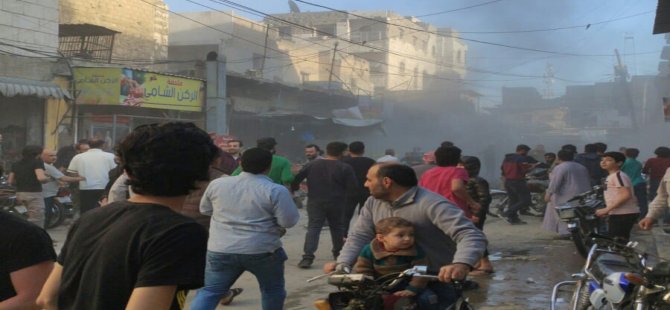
(135,88)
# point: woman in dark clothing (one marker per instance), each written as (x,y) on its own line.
(478,189)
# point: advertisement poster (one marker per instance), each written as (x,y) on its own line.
(135,88)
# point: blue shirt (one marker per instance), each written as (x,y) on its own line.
(249,213)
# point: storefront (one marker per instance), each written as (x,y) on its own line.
(109,102)
(24,109)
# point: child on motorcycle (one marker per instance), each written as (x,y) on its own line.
(392,251)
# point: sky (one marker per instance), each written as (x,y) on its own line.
(579,55)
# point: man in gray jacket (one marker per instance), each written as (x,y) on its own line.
(451,242)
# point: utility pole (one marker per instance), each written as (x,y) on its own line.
(332,64)
(215,110)
(621,76)
(265,49)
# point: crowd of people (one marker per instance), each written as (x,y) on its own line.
(626,189)
(176,210)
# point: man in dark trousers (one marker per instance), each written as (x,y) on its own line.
(361,165)
(514,168)
(141,253)
(329,181)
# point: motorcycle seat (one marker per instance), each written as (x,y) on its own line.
(607,264)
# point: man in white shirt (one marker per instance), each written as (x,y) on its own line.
(94,165)
(389,156)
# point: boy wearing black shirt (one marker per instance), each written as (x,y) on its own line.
(139,254)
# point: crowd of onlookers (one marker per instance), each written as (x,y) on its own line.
(175,209)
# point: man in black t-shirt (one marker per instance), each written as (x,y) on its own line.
(139,254)
(329,181)
(28,176)
(361,165)
(26,258)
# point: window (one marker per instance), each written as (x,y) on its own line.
(415,78)
(304,77)
(257,61)
(284,32)
(401,67)
(458,56)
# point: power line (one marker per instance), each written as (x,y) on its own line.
(451,36)
(585,26)
(252,11)
(459,9)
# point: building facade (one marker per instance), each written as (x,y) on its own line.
(142,26)
(404,53)
(30,93)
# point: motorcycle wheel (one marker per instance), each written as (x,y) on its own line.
(580,297)
(498,204)
(57,215)
(460,304)
(581,242)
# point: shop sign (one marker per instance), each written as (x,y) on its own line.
(136,88)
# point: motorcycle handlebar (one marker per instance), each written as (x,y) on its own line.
(583,195)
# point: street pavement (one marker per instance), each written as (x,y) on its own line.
(527,260)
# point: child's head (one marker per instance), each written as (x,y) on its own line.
(395,233)
(612,161)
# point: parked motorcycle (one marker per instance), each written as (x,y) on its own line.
(362,292)
(537,181)
(579,214)
(616,276)
(62,208)
(8,202)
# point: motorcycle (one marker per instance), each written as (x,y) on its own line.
(579,214)
(617,277)
(537,181)
(362,292)
(62,208)
(8,202)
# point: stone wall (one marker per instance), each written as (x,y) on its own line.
(143,26)
(28,25)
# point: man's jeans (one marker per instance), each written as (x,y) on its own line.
(317,213)
(48,208)
(519,197)
(640,191)
(224,269)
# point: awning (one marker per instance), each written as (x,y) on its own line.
(10,87)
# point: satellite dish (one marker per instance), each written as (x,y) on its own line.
(294,7)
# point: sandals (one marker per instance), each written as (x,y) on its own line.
(230,295)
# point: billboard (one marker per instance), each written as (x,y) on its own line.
(136,88)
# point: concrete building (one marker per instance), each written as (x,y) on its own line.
(404,52)
(142,26)
(257,51)
(30,94)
